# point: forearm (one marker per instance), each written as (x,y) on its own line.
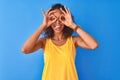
(29,44)
(87,38)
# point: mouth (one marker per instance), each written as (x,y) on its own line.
(58,27)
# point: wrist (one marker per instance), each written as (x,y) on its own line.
(76,28)
(73,26)
(44,26)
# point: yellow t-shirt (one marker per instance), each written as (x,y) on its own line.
(59,61)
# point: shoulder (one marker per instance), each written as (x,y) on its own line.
(44,40)
(74,38)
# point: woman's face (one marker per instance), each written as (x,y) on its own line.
(57,26)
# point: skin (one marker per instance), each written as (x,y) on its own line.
(53,18)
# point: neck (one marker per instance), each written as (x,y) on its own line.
(58,36)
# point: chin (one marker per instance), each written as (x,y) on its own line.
(58,31)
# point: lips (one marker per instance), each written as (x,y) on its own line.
(57,27)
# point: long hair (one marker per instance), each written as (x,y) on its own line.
(49,33)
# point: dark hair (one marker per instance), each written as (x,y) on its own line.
(49,33)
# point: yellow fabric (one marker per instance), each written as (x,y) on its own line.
(59,61)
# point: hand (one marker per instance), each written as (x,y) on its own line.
(66,18)
(49,18)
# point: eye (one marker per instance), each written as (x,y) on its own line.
(52,18)
(62,18)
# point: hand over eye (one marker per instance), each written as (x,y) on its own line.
(48,17)
(62,18)
(52,18)
(66,17)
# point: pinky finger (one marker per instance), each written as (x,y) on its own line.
(43,13)
(69,10)
(62,11)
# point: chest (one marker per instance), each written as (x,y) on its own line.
(59,43)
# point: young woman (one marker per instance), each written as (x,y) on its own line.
(58,44)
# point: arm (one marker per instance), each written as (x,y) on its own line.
(34,43)
(84,39)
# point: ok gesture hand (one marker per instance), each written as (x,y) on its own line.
(49,18)
(67,17)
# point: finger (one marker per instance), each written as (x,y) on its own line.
(62,11)
(62,17)
(69,10)
(48,10)
(43,13)
(52,17)
(50,22)
(52,12)
(54,20)
(66,9)
(62,21)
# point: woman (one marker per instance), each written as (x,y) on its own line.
(58,44)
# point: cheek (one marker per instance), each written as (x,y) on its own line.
(52,25)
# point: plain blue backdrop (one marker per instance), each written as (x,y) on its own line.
(21,18)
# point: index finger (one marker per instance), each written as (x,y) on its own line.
(62,11)
(50,12)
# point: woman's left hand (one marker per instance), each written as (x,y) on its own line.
(66,18)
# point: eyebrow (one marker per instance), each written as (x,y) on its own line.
(54,15)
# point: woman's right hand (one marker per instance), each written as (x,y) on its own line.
(49,18)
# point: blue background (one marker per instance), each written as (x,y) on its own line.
(20,18)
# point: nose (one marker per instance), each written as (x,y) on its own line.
(58,21)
